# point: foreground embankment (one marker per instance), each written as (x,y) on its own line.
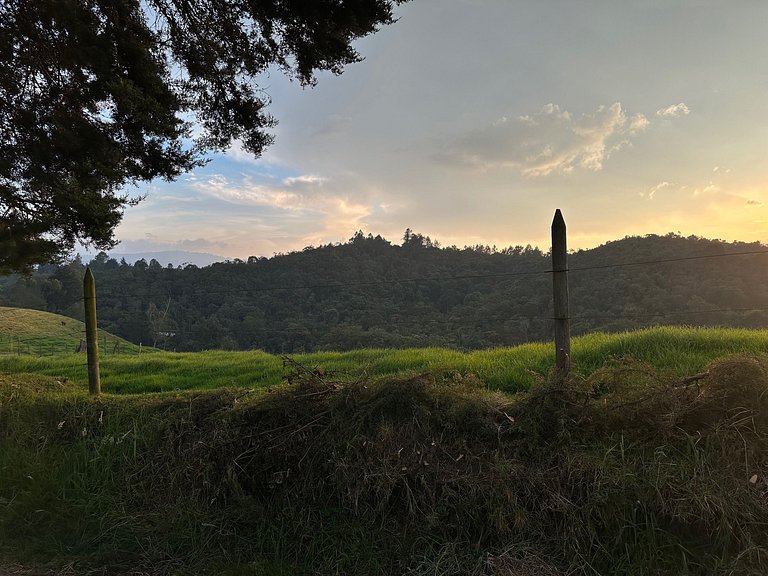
(625,469)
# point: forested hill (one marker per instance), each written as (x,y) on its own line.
(371,293)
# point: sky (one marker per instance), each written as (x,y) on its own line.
(471,121)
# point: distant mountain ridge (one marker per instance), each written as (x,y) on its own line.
(165,257)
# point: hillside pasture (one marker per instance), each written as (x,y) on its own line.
(678,351)
(25,332)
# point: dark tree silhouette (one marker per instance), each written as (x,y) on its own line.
(98,94)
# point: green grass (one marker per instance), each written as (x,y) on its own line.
(36,333)
(678,350)
(650,459)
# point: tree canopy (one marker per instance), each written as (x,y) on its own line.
(98,94)
(369,293)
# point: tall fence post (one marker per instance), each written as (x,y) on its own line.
(560,293)
(91,336)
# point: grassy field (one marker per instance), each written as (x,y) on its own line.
(36,333)
(651,459)
(677,350)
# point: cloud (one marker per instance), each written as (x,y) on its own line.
(695,190)
(304,181)
(551,140)
(334,124)
(223,188)
(753,203)
(154,243)
(303,196)
(659,186)
(708,189)
(674,111)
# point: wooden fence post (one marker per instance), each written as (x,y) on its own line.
(91,336)
(560,293)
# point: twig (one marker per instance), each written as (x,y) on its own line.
(694,378)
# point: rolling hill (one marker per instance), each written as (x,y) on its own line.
(25,331)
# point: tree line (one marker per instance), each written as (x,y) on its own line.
(368,292)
